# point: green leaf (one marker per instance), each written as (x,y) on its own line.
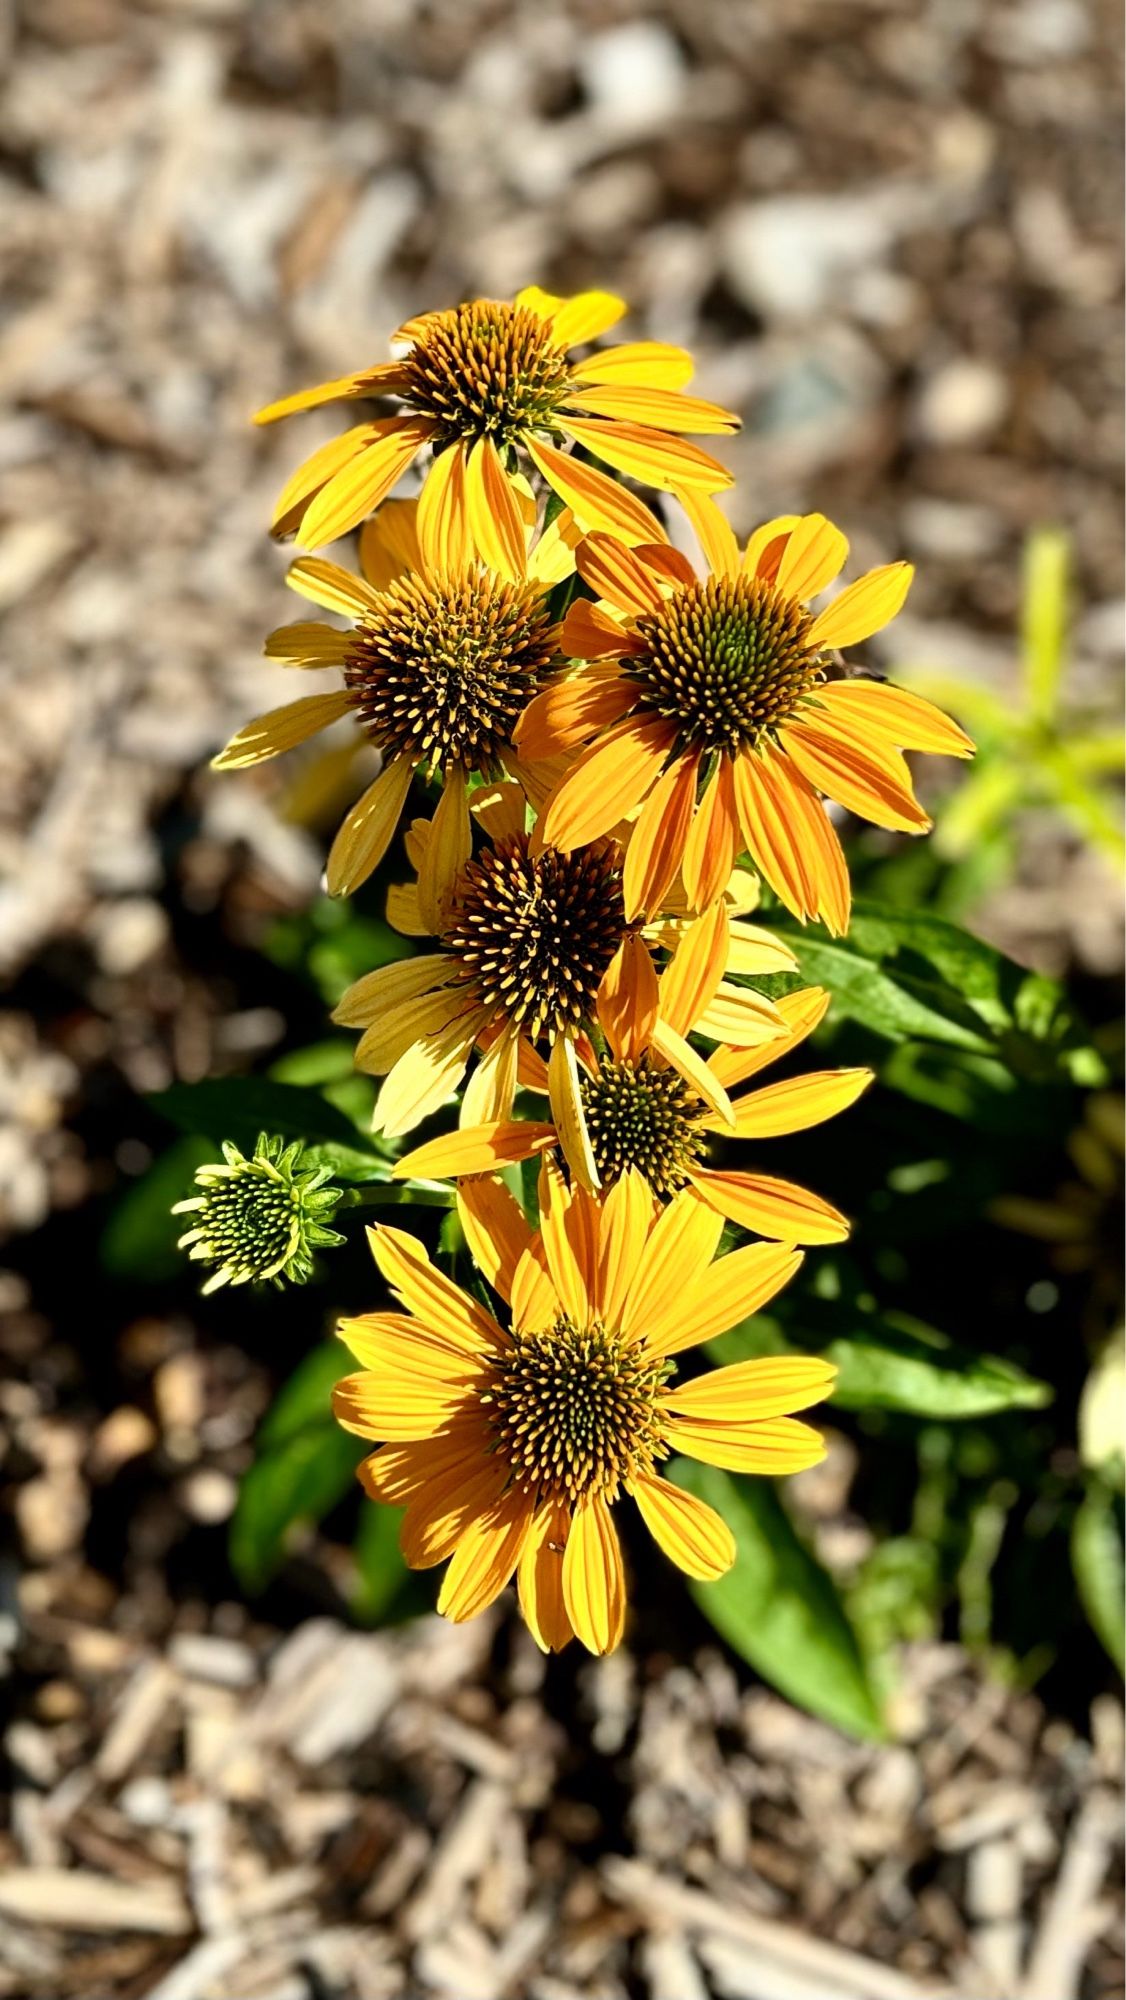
(305,1464)
(778,1608)
(1100,1571)
(139,1240)
(887,1361)
(910,976)
(381,1572)
(240,1107)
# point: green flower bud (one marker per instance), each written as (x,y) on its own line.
(260,1218)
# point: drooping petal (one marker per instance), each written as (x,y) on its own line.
(604,786)
(535,1302)
(351,494)
(486,1558)
(281,729)
(395,1030)
(693,974)
(627,1000)
(447,850)
(690,1532)
(539,1580)
(739,1015)
(780,1210)
(386,381)
(389,544)
(713,840)
(798,1102)
(496,1230)
(594,1585)
(777,1447)
(567,1111)
(692,1067)
(444,539)
(315,472)
(425,1076)
(814,554)
(654,457)
(726,1292)
(753,951)
(366,832)
(595,500)
(440,1516)
(801,1013)
(657,843)
(496,523)
(489,1095)
(791,839)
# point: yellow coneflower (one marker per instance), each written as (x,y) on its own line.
(534,948)
(510,1445)
(724,687)
(641,1115)
(442,656)
(488,382)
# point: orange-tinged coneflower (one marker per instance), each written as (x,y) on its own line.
(490,387)
(715,706)
(510,1438)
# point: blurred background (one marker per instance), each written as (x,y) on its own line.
(889,229)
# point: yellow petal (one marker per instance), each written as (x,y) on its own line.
(660,834)
(753,951)
(624,1225)
(386,381)
(801,1013)
(308,644)
(496,1230)
(627,1000)
(606,784)
(535,1303)
(728,1291)
(571,710)
(443,513)
(486,1558)
(681,1244)
(713,531)
(798,1102)
(441,1516)
(366,833)
(496,523)
(395,1030)
(425,1076)
(349,495)
(777,1209)
(691,979)
(389,543)
(777,1447)
(814,554)
(393,1344)
(660,409)
(874,783)
(594,1585)
(539,1579)
(693,1069)
(333,588)
(773,1385)
(691,1533)
(572,1275)
(585,317)
(475,1149)
(763,552)
(488,1096)
(434,1299)
(394,1409)
(614,572)
(654,457)
(567,1111)
(738,1015)
(791,840)
(447,850)
(595,500)
(282,729)
(315,471)
(646,363)
(863,607)
(895,714)
(389,986)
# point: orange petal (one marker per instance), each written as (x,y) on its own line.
(595,500)
(594,1587)
(365,835)
(895,714)
(798,1102)
(496,523)
(627,1000)
(590,633)
(660,409)
(606,785)
(709,852)
(612,569)
(691,978)
(766,546)
(496,1230)
(475,1149)
(571,711)
(654,457)
(443,1514)
(657,843)
(875,783)
(863,607)
(690,1532)
(780,1210)
(389,543)
(814,554)
(316,470)
(778,1446)
(729,1290)
(539,1579)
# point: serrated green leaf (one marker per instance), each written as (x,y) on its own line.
(778,1608)
(1100,1571)
(887,1362)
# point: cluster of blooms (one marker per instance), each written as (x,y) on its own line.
(624,747)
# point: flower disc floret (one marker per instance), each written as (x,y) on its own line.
(727,659)
(639,1115)
(573,1410)
(486,369)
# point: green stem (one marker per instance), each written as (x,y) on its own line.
(387,1194)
